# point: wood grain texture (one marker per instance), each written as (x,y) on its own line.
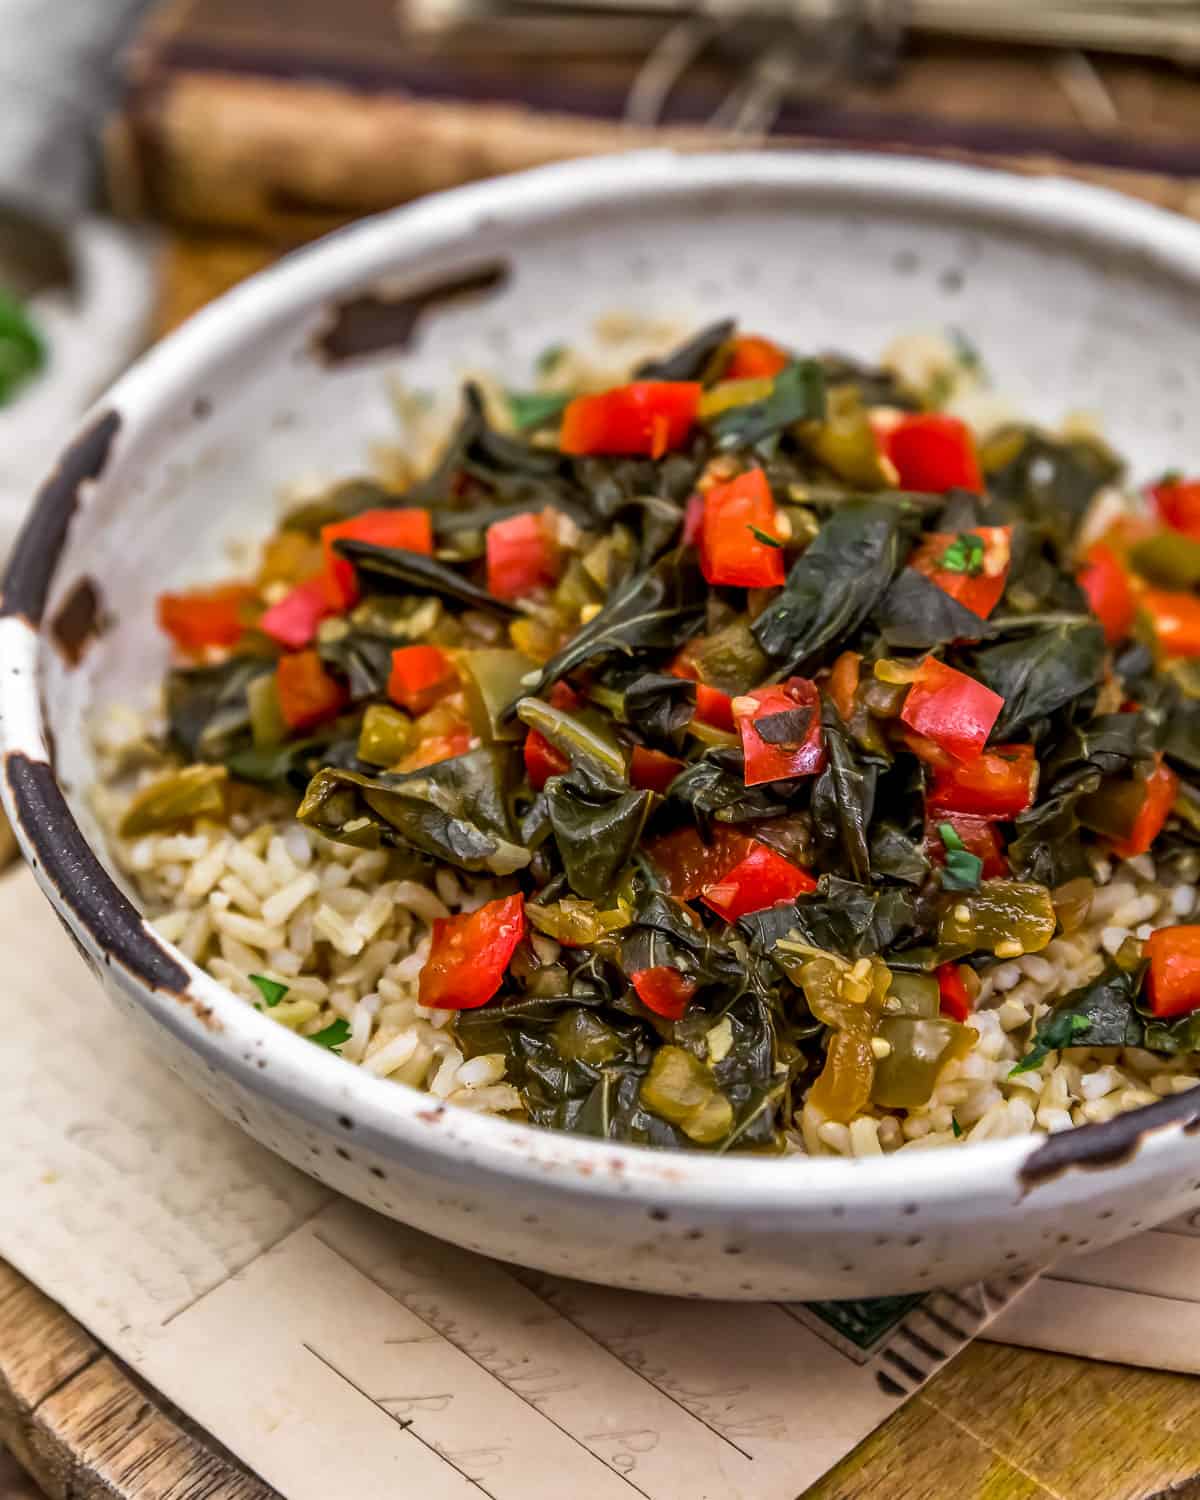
(83,1428)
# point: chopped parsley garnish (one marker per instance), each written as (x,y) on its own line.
(963,555)
(956,1127)
(962,869)
(530,409)
(334,1036)
(22,351)
(764,536)
(270,989)
(1059,1032)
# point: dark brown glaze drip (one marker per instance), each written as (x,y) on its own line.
(373,322)
(84,886)
(79,620)
(1097,1147)
(35,557)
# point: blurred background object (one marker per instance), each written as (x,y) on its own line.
(260,117)
(75,289)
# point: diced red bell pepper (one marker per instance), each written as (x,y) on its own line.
(564,696)
(663,990)
(952,709)
(411,530)
(207,617)
(971,566)
(761,878)
(730,552)
(437,747)
(843,683)
(469,954)
(648,417)
(543,760)
(1178,503)
(1173,979)
(1176,620)
(1001,783)
(653,770)
(713,707)
(293,621)
(687,864)
(522,555)
(955,997)
(752,357)
(932,452)
(308,694)
(978,836)
(420,675)
(1160,790)
(1109,592)
(775,748)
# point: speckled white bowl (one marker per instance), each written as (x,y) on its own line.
(1079,298)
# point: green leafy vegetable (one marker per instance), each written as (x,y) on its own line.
(457,810)
(692,358)
(797,395)
(270,989)
(1100,1014)
(208,710)
(657,610)
(597,825)
(386,568)
(765,536)
(1040,673)
(916,615)
(843,798)
(834,586)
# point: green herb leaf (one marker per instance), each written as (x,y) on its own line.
(1100,1014)
(270,989)
(956,1127)
(1061,1031)
(334,1036)
(963,555)
(22,351)
(531,409)
(962,869)
(798,395)
(764,536)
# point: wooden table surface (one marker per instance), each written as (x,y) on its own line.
(995,1424)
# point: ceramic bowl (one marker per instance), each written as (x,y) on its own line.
(1080,299)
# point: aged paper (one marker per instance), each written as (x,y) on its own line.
(337,1353)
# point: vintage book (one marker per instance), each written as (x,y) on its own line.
(284,118)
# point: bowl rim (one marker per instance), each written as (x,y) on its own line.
(316,1085)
